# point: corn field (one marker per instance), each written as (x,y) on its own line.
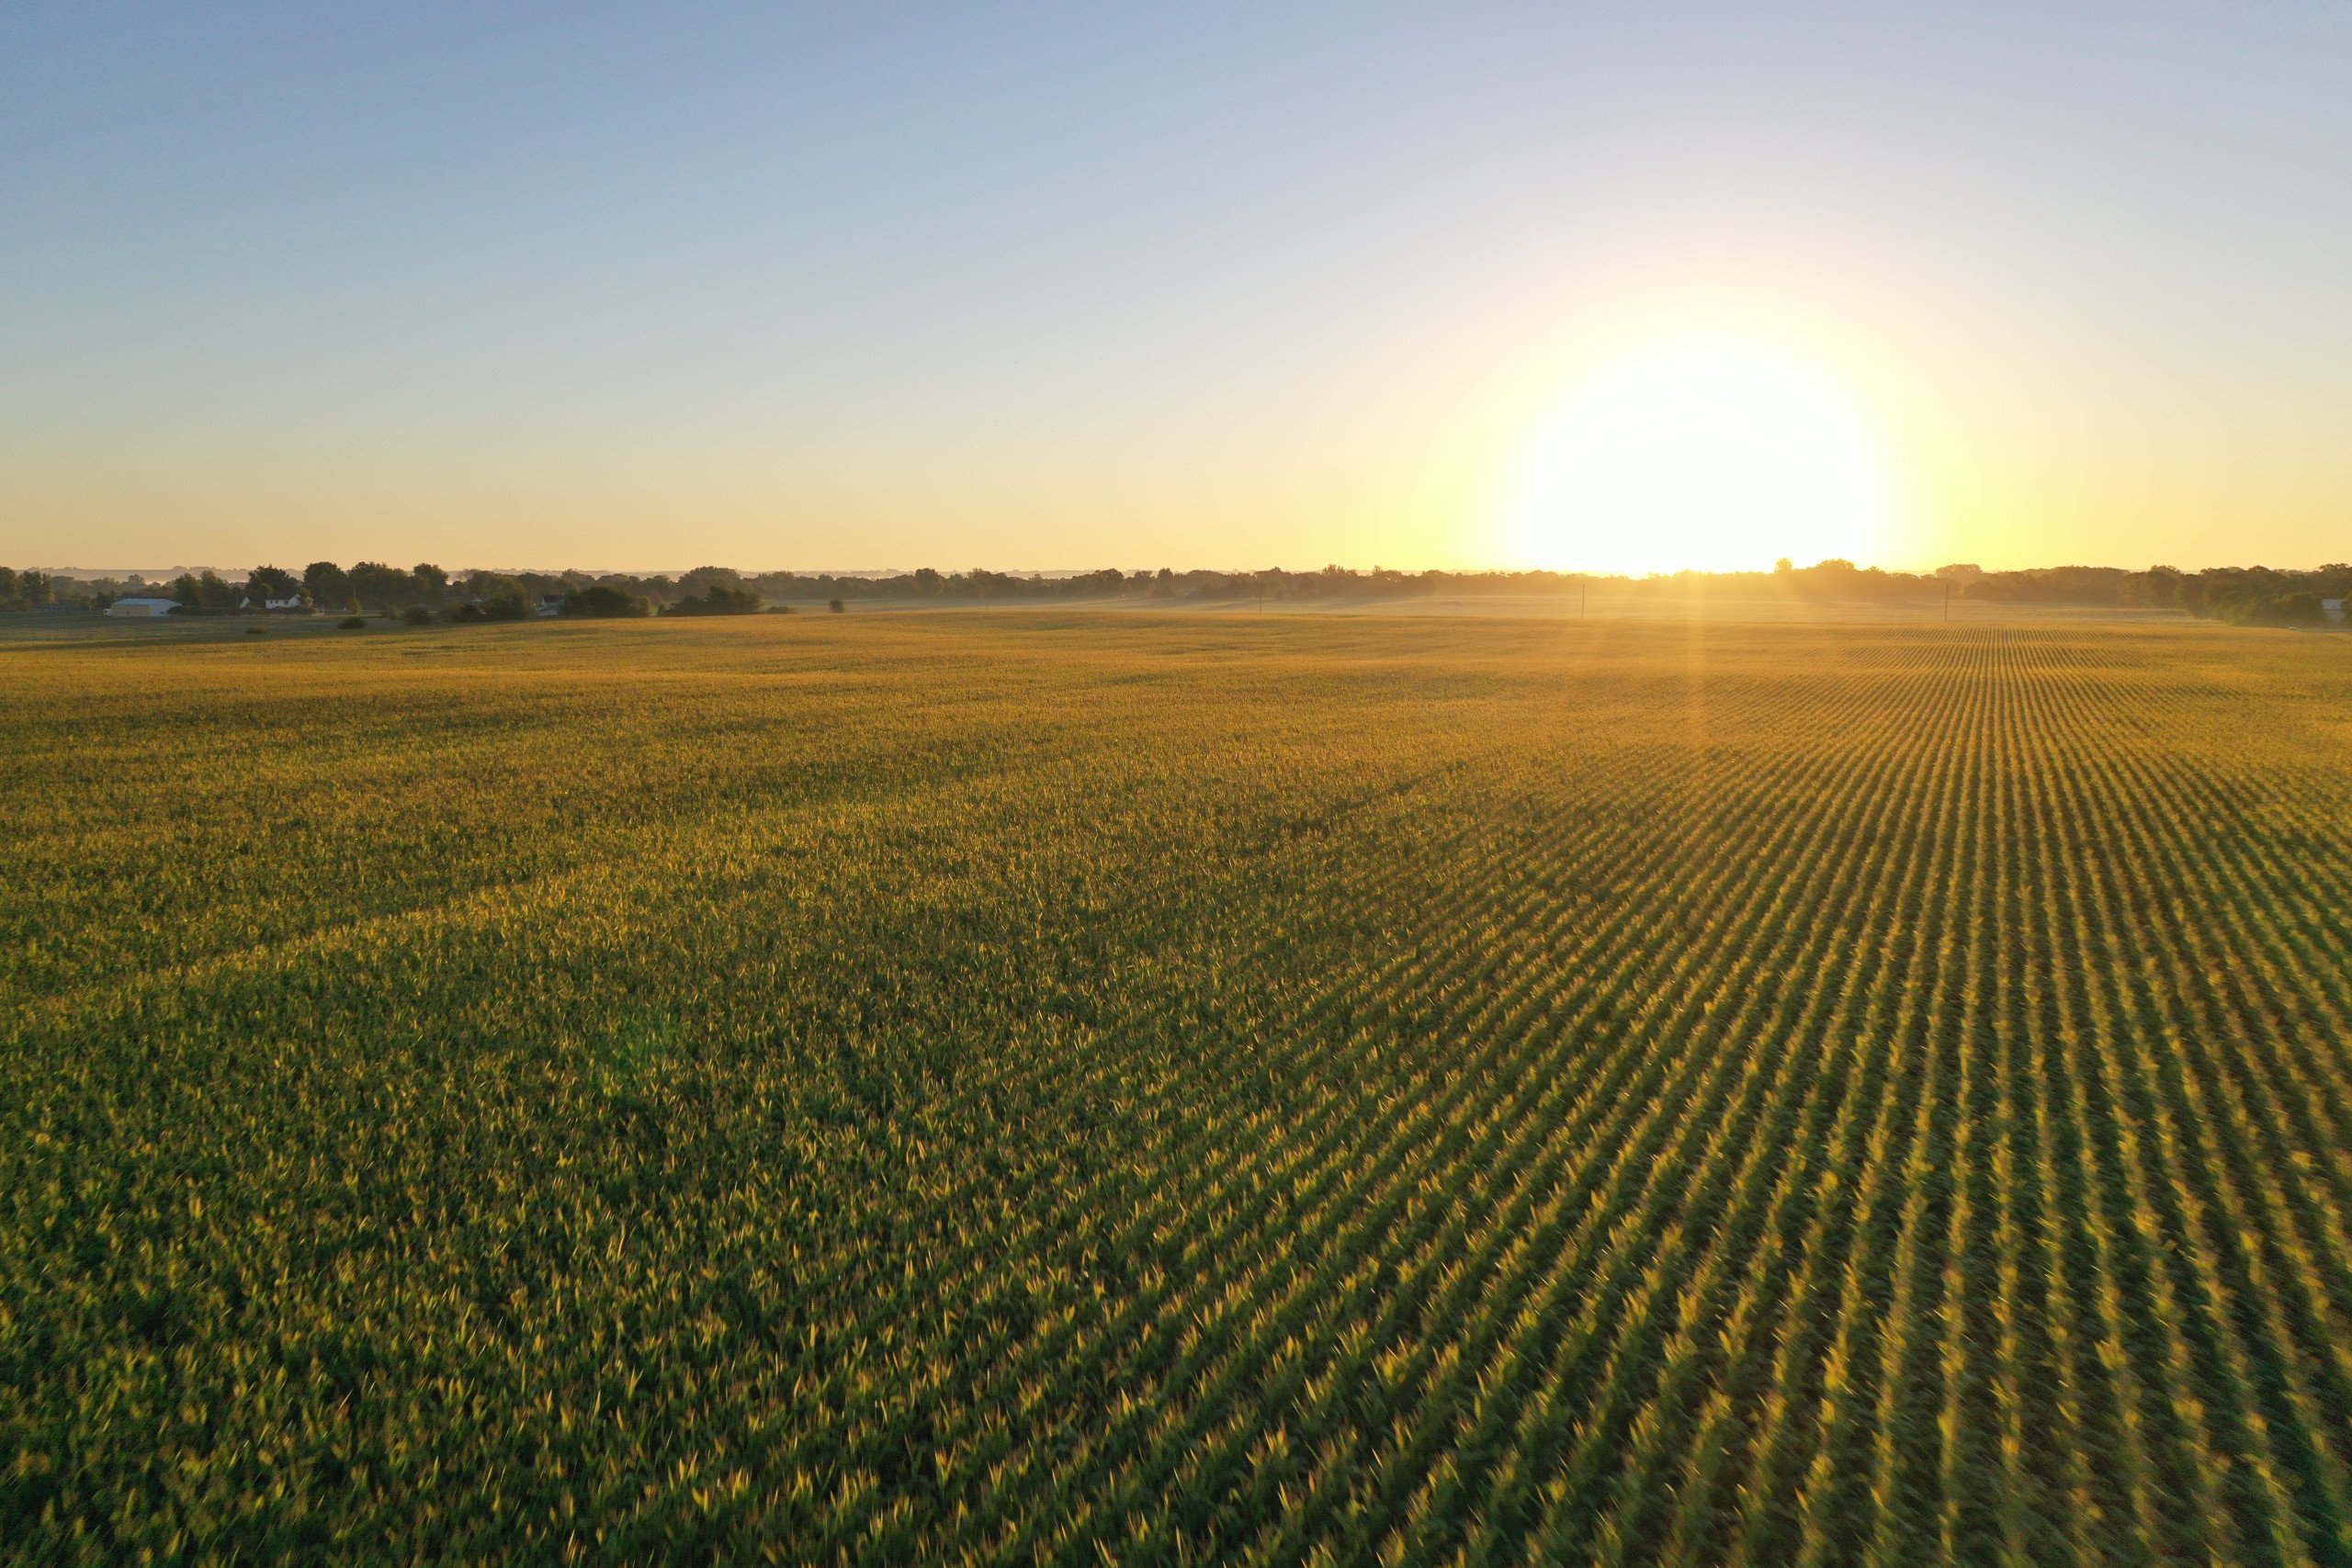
(1108,1088)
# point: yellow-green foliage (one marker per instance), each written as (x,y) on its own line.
(1125,1088)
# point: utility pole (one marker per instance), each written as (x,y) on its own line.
(1947,599)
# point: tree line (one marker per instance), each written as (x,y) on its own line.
(2249,595)
(420,593)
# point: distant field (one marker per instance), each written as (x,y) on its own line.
(1159,1088)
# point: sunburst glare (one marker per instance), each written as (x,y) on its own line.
(1710,456)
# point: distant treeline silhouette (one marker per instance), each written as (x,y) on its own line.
(2258,596)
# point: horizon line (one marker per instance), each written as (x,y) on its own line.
(235,573)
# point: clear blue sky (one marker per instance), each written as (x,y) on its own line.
(1060,286)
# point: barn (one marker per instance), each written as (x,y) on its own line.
(139,608)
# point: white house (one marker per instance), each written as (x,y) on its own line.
(132,608)
(291,602)
(2333,609)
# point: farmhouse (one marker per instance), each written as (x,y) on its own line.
(291,602)
(2334,610)
(132,608)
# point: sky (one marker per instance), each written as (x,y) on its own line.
(1617,286)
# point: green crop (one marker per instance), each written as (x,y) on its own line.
(1117,1088)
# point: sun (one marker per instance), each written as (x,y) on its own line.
(1711,457)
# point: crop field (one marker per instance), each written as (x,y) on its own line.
(1149,1088)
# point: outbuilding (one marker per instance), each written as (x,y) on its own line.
(2334,610)
(136,608)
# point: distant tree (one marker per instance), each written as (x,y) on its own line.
(704,578)
(468,612)
(378,587)
(328,584)
(2053,585)
(1783,566)
(267,582)
(1960,573)
(25,589)
(835,605)
(601,601)
(417,615)
(353,624)
(484,586)
(507,604)
(2159,587)
(209,592)
(432,582)
(720,599)
(2278,610)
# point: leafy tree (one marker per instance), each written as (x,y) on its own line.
(380,587)
(720,601)
(2299,610)
(267,582)
(25,589)
(327,583)
(507,604)
(2254,608)
(209,592)
(488,585)
(704,578)
(601,601)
